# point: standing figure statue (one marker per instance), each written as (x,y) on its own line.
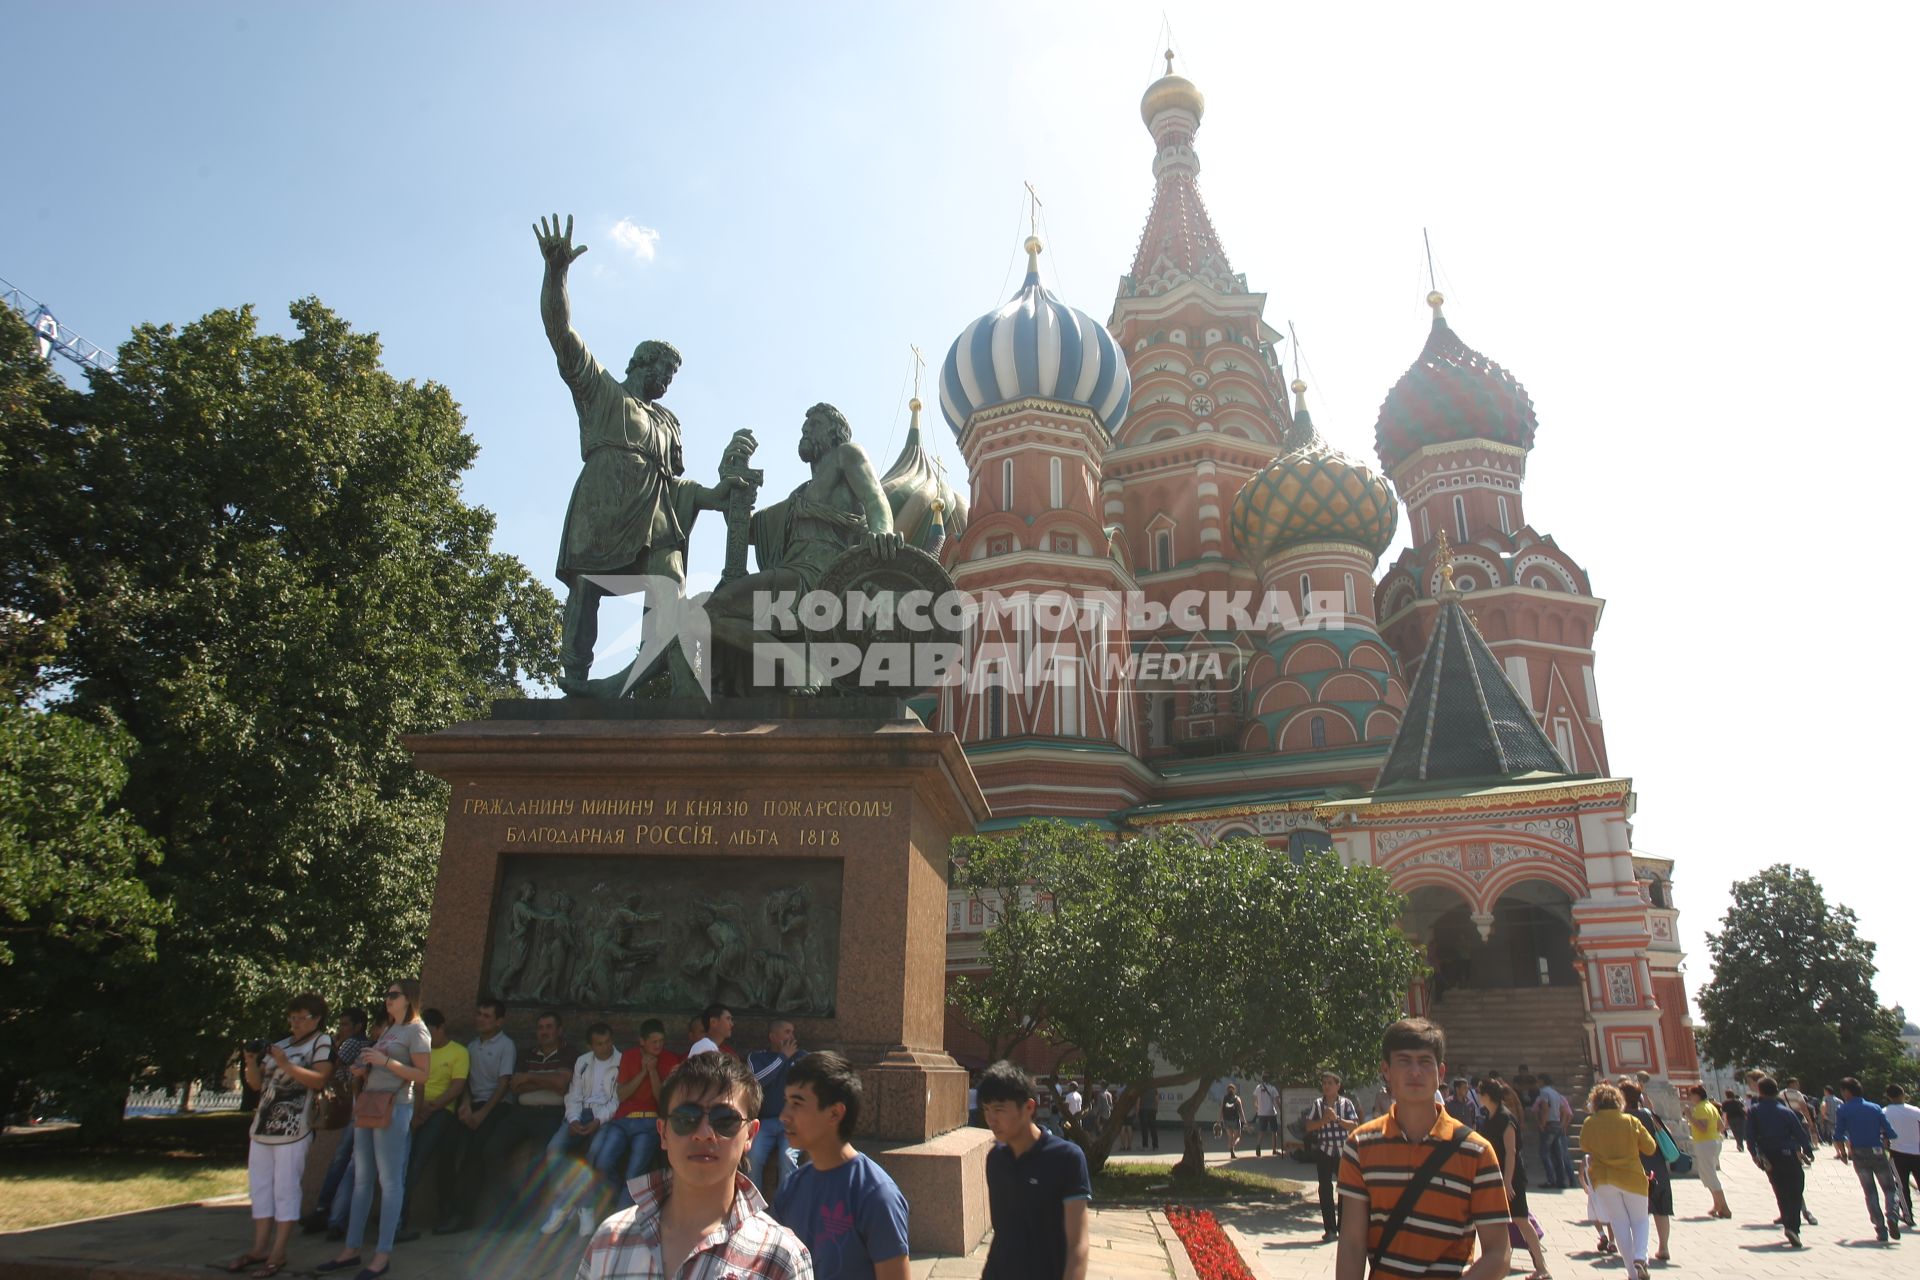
(631,511)
(522,916)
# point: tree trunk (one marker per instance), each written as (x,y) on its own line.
(1099,1146)
(1193,1152)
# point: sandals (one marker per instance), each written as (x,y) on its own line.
(241,1263)
(268,1271)
(1640,1272)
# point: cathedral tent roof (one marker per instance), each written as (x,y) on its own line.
(1464,718)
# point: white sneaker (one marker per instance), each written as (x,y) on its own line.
(555,1220)
(587,1224)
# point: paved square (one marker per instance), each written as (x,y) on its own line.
(1286,1243)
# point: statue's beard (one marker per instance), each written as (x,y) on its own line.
(811,450)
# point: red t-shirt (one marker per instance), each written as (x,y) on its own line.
(641,1100)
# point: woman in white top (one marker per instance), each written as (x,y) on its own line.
(287,1074)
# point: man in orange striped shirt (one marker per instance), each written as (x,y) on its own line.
(1464,1198)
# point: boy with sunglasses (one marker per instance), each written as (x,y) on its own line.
(701,1209)
(842,1205)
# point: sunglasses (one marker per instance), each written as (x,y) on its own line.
(686,1119)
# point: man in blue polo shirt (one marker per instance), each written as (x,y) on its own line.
(1037,1187)
(1861,1134)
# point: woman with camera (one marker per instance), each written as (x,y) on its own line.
(287,1074)
(383,1126)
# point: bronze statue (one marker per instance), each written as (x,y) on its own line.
(841,505)
(631,511)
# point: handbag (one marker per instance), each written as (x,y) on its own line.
(1513,1232)
(373,1109)
(1669,1150)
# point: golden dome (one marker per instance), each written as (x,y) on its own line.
(1169,93)
(1313,494)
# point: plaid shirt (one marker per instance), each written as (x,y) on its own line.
(346,1052)
(1328,1136)
(748,1244)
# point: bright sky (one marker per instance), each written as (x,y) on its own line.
(1687,229)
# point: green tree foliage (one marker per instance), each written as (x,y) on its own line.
(1792,987)
(73,906)
(262,567)
(1227,960)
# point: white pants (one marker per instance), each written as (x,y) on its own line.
(1626,1213)
(1706,1163)
(273,1178)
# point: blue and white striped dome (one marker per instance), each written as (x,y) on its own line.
(1035,347)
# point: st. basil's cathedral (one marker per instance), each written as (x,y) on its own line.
(1436,718)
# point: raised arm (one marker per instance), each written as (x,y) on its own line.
(559,251)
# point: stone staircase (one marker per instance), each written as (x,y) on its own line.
(1498,1029)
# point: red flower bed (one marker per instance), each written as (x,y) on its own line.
(1214,1256)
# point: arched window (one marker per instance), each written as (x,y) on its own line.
(1160,719)
(1317,731)
(1350,605)
(1506,524)
(1162,549)
(1426,533)
(1459,518)
(1006,484)
(1066,693)
(1306,595)
(996,712)
(1053,483)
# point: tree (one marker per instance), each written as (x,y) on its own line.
(1792,987)
(1226,959)
(73,907)
(265,572)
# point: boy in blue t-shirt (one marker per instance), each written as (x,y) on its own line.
(843,1206)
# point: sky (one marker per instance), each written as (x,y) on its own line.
(1686,229)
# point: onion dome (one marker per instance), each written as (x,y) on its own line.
(1313,494)
(1452,392)
(1035,347)
(924,502)
(1172,93)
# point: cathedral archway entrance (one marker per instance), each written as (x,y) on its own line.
(1527,940)
(1504,986)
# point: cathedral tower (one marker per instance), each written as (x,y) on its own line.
(1454,435)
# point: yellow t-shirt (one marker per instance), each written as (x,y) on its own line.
(445,1065)
(1616,1141)
(1705,1121)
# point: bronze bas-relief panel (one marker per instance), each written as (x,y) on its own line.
(667,933)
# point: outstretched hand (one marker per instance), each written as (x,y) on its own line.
(557,246)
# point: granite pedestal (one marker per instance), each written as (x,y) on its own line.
(852,800)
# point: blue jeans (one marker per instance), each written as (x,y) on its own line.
(621,1151)
(335,1204)
(1553,1156)
(572,1177)
(772,1138)
(1875,1170)
(380,1154)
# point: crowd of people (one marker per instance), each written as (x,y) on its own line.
(658,1156)
(660,1159)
